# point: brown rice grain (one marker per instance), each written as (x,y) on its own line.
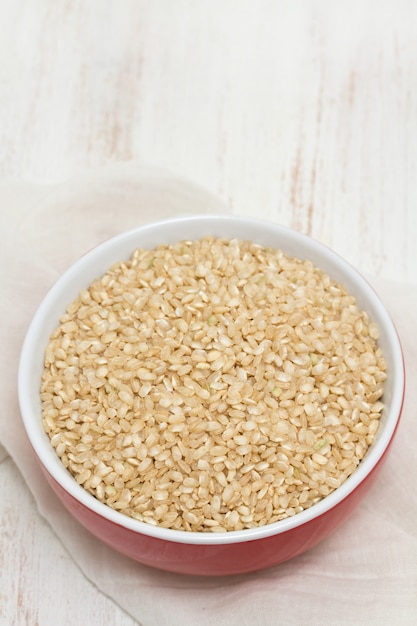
(212,385)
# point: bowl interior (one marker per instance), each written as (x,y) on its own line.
(97,262)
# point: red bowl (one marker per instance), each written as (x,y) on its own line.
(201,553)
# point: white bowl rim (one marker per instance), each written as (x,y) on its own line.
(51,463)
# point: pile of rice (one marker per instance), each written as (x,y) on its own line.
(212,385)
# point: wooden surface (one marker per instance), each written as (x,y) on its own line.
(303,112)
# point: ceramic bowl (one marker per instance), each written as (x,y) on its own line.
(208,553)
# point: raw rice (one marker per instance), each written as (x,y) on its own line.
(212,385)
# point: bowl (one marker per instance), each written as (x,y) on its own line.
(208,553)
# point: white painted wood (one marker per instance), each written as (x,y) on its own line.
(39,583)
(303,112)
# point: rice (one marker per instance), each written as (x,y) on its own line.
(212,385)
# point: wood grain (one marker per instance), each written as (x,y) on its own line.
(36,590)
(305,114)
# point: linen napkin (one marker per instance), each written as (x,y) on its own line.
(365,573)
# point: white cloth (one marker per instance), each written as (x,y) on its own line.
(365,573)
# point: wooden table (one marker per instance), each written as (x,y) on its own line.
(303,112)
